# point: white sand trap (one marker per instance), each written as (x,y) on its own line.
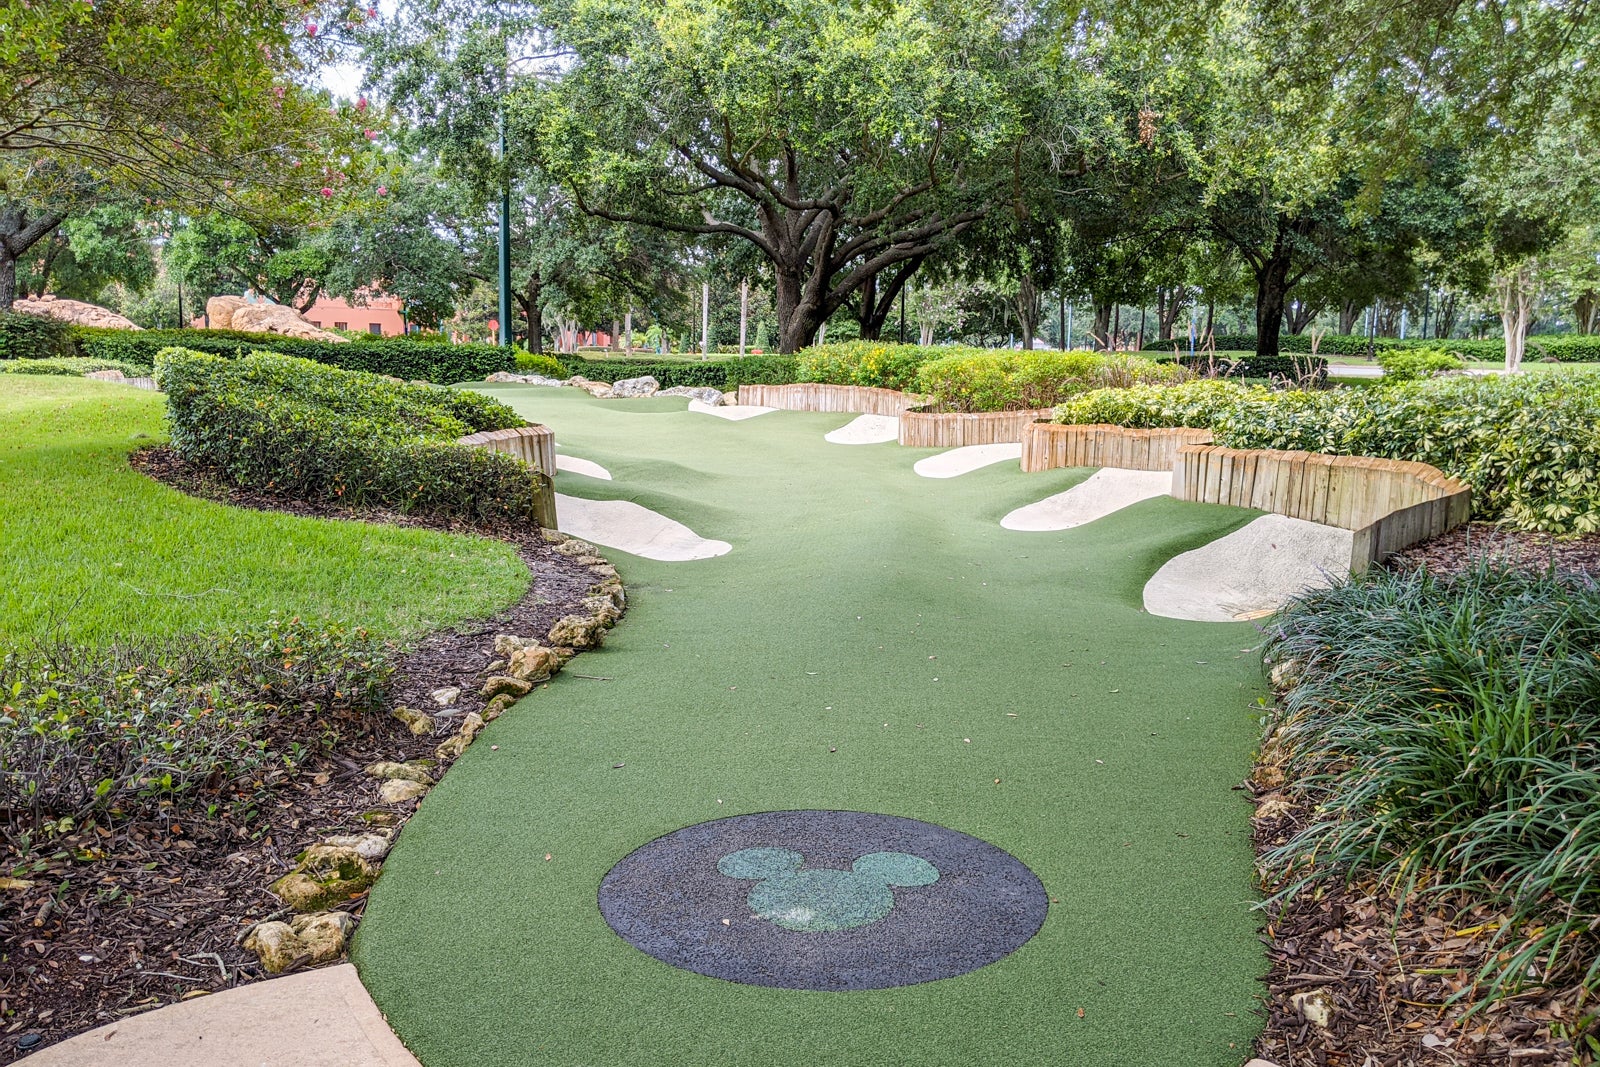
(965,460)
(589,468)
(866,430)
(731,412)
(1251,572)
(631,527)
(1106,490)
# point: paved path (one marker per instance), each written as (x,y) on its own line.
(320,1018)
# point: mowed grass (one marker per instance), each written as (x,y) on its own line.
(91,550)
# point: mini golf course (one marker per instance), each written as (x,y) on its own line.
(884,783)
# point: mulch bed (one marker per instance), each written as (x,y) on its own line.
(1388,978)
(119,921)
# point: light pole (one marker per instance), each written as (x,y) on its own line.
(505,237)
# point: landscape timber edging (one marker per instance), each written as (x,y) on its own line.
(536,446)
(815,396)
(930,429)
(1049,445)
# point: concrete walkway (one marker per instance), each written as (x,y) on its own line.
(320,1018)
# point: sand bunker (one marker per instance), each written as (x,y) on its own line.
(866,430)
(588,468)
(965,460)
(731,412)
(630,527)
(1251,572)
(1106,490)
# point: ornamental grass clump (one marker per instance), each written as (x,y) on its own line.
(1444,734)
(303,430)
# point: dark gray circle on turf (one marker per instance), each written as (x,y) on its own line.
(668,899)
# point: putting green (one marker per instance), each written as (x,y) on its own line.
(874,642)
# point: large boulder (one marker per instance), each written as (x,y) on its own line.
(703,393)
(220,309)
(279,319)
(646,386)
(74,311)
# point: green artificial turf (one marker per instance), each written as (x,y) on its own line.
(91,550)
(874,642)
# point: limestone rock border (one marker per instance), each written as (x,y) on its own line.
(343,867)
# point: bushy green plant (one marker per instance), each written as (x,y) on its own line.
(33,337)
(877,364)
(1295,367)
(977,380)
(1528,445)
(1414,364)
(722,374)
(70,367)
(399,357)
(533,363)
(1566,347)
(312,432)
(1446,735)
(102,733)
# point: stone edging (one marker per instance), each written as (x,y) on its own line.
(344,866)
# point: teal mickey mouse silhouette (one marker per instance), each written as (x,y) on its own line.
(823,899)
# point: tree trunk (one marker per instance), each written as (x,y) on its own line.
(616,336)
(1348,311)
(1517,293)
(1169,304)
(1586,310)
(20,230)
(925,335)
(528,300)
(1028,310)
(1300,316)
(1100,332)
(1272,286)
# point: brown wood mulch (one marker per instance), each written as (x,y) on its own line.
(1388,978)
(125,919)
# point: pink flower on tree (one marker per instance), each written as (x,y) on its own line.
(326,192)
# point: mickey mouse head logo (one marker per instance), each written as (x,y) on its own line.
(820,898)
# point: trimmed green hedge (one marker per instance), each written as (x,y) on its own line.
(1295,367)
(722,374)
(877,364)
(297,428)
(1528,444)
(1566,347)
(32,337)
(978,380)
(399,357)
(71,367)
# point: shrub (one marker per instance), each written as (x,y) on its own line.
(33,337)
(106,732)
(1528,445)
(1414,364)
(712,373)
(1567,347)
(74,367)
(294,427)
(870,363)
(532,363)
(1445,732)
(1299,368)
(977,380)
(400,357)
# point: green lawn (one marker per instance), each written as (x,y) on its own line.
(90,549)
(874,642)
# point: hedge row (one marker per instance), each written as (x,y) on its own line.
(71,366)
(1565,347)
(1528,444)
(977,380)
(399,357)
(32,337)
(713,373)
(1294,367)
(304,430)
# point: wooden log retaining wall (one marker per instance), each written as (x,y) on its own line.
(814,396)
(1389,504)
(926,429)
(1048,445)
(535,446)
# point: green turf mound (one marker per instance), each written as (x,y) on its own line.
(875,643)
